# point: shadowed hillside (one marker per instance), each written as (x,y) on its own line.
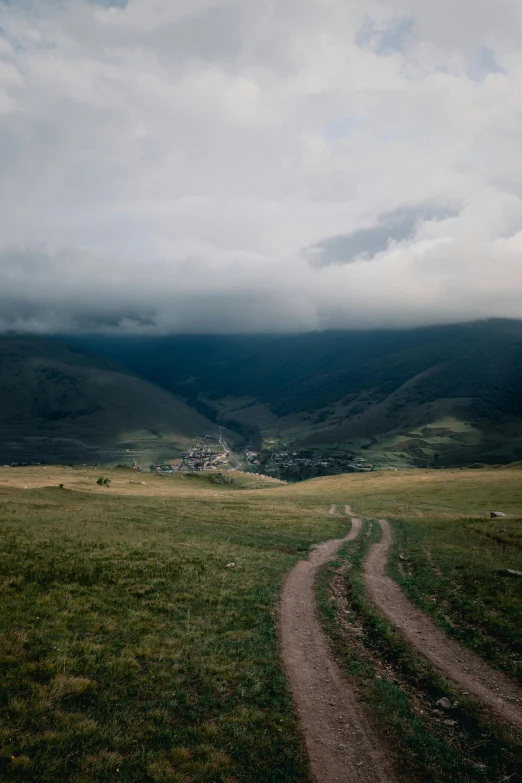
(430,396)
(60,403)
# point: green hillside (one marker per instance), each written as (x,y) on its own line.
(139,627)
(434,396)
(61,403)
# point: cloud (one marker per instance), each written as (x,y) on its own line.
(366,243)
(222,165)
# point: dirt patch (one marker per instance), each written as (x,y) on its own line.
(352,630)
(340,742)
(458,663)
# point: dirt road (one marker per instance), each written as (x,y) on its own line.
(458,663)
(341,745)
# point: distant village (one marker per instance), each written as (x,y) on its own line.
(298,465)
(211,453)
(208,453)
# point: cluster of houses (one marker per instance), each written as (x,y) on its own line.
(165,468)
(208,453)
(212,453)
(252,457)
(306,464)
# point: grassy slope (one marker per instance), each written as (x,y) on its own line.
(59,404)
(401,689)
(129,649)
(450,557)
(128,644)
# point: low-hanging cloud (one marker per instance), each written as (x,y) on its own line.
(222,165)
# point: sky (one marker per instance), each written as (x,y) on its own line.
(259,165)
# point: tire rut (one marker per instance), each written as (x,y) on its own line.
(468,670)
(341,745)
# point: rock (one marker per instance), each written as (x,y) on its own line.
(512,572)
(230,565)
(444,703)
(496,514)
(450,722)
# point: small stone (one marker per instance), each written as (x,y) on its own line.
(450,722)
(496,514)
(444,703)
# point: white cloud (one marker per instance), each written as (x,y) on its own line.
(169,165)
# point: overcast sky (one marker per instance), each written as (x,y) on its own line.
(254,165)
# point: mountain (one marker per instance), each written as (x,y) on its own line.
(61,403)
(444,395)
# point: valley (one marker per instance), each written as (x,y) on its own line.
(430,397)
(427,397)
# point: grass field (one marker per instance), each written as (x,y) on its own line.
(139,626)
(401,689)
(450,557)
(131,648)
(452,560)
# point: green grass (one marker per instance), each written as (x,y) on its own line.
(451,558)
(462,581)
(131,650)
(400,689)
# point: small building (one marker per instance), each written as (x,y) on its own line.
(164,468)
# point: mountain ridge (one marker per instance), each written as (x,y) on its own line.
(432,396)
(352,390)
(62,403)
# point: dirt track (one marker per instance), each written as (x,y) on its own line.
(458,663)
(341,745)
